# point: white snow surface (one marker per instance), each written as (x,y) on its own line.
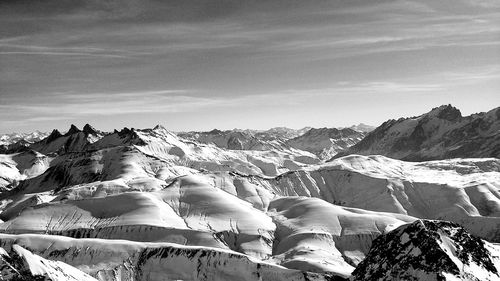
(28,265)
(149,204)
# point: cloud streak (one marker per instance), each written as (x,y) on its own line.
(62,106)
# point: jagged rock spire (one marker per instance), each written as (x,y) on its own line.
(53,135)
(89,130)
(158,127)
(73,130)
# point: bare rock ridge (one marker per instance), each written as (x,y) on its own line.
(72,130)
(55,134)
(430,250)
(442,133)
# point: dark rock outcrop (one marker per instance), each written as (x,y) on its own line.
(428,250)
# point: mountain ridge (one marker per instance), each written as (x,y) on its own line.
(438,134)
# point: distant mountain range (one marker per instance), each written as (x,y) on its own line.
(323,142)
(150,204)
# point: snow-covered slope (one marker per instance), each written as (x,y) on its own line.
(317,236)
(465,191)
(20,166)
(234,140)
(323,142)
(20,264)
(148,204)
(190,211)
(326,142)
(441,133)
(110,260)
(430,250)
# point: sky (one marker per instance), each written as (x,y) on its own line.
(204,64)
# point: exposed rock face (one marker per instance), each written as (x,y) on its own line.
(55,134)
(441,133)
(430,250)
(75,140)
(72,130)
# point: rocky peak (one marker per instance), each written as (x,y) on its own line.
(159,127)
(73,130)
(89,130)
(430,250)
(53,135)
(446,112)
(126,131)
(131,134)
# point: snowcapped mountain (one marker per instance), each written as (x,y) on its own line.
(149,204)
(326,142)
(28,137)
(430,250)
(16,142)
(323,142)
(442,133)
(234,140)
(21,264)
(282,133)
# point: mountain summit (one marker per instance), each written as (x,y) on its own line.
(441,133)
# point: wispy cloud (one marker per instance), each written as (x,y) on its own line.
(76,60)
(63,54)
(73,105)
(473,75)
(70,105)
(7,48)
